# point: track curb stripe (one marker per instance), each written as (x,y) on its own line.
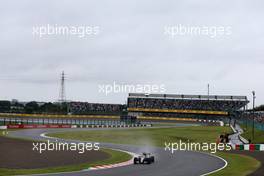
(111,165)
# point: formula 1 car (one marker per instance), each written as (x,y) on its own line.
(145,158)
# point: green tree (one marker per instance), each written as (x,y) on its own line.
(32,107)
(5,106)
(260,108)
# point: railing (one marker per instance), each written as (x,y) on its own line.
(249,123)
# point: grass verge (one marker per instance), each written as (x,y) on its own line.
(238,165)
(154,136)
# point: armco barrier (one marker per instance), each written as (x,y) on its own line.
(112,117)
(74,126)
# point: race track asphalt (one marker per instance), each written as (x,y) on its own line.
(180,163)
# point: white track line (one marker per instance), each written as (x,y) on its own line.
(48,137)
(226,163)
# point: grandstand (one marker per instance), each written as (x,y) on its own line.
(184,106)
(85,108)
(146,106)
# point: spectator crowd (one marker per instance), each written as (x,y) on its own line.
(186,104)
(257,115)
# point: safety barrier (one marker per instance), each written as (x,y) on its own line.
(112,126)
(73,126)
(257,125)
(84,118)
(37,126)
(250,147)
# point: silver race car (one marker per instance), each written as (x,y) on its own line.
(145,158)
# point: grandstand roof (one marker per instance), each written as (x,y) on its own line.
(183,96)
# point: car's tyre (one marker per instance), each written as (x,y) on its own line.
(135,160)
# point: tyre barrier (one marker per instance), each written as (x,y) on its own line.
(72,126)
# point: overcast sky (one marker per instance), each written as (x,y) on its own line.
(131,48)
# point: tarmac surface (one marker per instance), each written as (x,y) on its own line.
(18,154)
(166,164)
